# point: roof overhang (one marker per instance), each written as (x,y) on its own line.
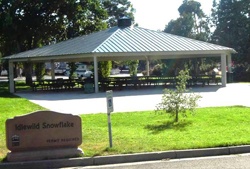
(124,56)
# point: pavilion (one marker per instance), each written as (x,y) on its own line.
(123,42)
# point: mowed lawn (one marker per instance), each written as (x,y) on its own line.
(146,131)
(149,131)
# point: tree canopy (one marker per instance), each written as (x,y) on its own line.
(117,9)
(27,24)
(192,22)
(230,22)
(231,19)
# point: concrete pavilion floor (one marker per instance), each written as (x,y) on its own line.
(77,102)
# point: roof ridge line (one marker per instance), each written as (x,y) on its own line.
(105,39)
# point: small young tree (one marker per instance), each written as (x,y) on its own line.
(178,101)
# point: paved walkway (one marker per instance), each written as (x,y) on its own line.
(135,100)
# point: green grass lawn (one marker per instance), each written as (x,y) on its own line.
(150,131)
(146,131)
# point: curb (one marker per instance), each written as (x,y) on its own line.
(126,158)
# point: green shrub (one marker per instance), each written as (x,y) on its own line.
(133,65)
(105,68)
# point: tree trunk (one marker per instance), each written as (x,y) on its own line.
(176,115)
(28,73)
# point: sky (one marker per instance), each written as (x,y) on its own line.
(155,14)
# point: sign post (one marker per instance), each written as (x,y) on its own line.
(110,108)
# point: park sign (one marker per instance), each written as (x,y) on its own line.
(43,130)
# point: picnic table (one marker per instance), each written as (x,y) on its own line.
(57,84)
(152,81)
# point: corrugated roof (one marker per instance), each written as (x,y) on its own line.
(121,40)
(143,40)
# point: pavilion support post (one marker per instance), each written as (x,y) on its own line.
(229,63)
(11,78)
(52,63)
(147,66)
(223,70)
(96,74)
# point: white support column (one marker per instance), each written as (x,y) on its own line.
(229,63)
(52,63)
(11,78)
(96,74)
(223,70)
(147,65)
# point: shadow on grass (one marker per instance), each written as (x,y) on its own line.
(5,94)
(168,125)
(4,89)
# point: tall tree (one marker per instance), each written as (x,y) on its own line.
(117,9)
(192,22)
(27,24)
(182,26)
(232,22)
(82,17)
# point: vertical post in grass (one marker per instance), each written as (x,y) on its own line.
(110,108)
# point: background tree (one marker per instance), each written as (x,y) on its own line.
(27,24)
(133,66)
(192,23)
(177,101)
(82,17)
(39,71)
(117,9)
(182,26)
(105,68)
(72,69)
(231,20)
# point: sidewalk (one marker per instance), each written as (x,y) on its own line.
(135,100)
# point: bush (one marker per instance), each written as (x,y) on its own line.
(133,65)
(241,73)
(105,68)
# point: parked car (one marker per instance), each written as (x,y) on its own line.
(60,70)
(84,73)
(115,71)
(80,73)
